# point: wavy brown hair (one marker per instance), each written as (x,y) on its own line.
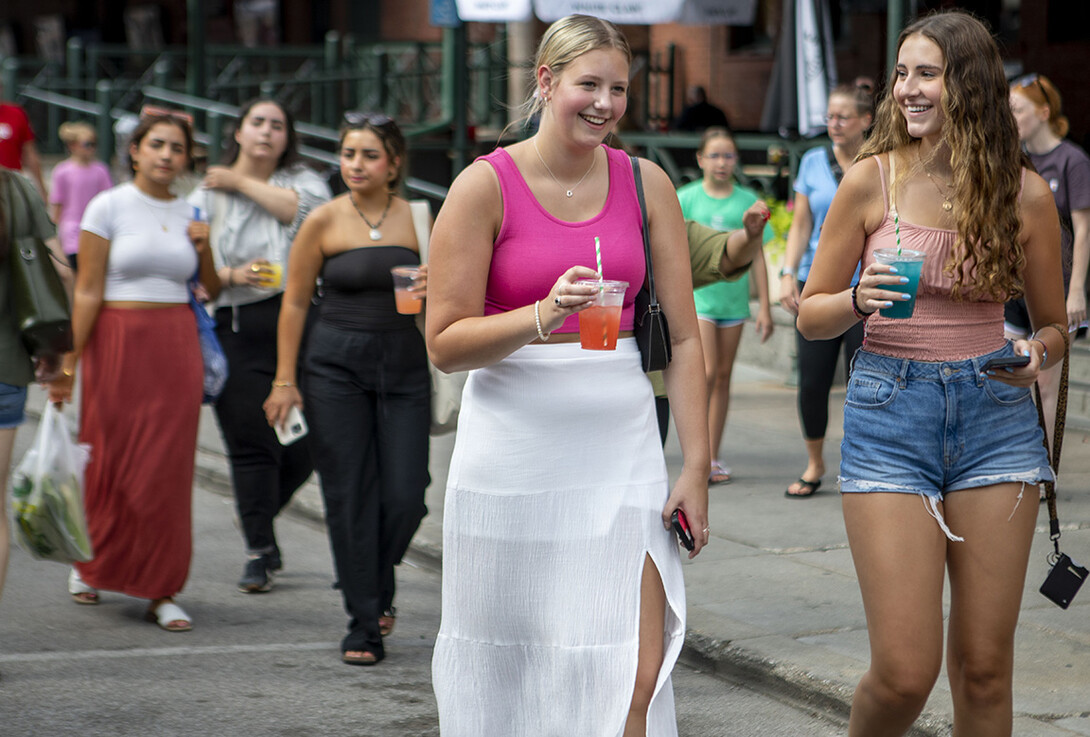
(987,259)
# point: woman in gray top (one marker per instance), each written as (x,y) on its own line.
(255,204)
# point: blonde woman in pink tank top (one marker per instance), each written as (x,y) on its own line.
(941,454)
(557,493)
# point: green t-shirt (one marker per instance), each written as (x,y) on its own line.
(15,365)
(724,300)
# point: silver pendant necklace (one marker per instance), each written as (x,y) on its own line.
(375,234)
(569,191)
(152,210)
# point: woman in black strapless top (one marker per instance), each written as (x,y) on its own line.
(367,385)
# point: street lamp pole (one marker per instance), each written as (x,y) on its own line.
(194,84)
(895,19)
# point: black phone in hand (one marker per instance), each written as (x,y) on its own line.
(681,527)
(1005,362)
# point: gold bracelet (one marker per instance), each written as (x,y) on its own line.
(68,372)
(283,383)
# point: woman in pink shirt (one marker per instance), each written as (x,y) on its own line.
(76,180)
(563,600)
(941,453)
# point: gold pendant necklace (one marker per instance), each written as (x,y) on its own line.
(568,191)
(375,234)
(947,205)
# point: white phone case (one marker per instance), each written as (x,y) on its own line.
(294,427)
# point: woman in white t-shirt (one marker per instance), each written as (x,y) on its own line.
(142,375)
(255,205)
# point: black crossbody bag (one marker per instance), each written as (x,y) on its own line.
(652,331)
(1065,576)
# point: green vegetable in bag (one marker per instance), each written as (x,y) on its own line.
(47,497)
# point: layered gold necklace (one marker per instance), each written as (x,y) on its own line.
(947,205)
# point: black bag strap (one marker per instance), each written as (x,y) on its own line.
(14,219)
(1057,436)
(654,301)
(838,171)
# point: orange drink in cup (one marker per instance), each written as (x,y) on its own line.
(408,302)
(600,323)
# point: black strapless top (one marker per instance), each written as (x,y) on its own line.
(358,290)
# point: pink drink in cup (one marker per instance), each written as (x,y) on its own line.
(600,323)
(405,278)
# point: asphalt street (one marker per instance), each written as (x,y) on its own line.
(262,665)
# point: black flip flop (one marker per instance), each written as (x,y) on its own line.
(811,488)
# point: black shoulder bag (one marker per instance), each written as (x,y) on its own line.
(1065,576)
(652,332)
(42,312)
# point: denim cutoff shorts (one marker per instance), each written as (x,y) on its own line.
(923,427)
(12,402)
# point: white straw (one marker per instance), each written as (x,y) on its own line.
(598,256)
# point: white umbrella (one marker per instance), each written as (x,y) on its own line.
(803,73)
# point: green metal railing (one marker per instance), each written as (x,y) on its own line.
(438,92)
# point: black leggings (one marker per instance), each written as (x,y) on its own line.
(265,474)
(817,368)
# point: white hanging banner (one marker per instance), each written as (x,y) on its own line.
(494,11)
(719,12)
(814,64)
(640,12)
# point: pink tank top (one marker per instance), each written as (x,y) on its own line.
(940,329)
(534,248)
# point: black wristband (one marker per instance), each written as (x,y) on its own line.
(855,306)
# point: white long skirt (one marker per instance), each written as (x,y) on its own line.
(553,502)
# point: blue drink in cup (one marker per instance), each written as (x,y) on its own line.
(908,263)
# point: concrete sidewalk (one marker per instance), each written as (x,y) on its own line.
(774,597)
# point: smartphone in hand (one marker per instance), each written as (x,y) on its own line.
(681,527)
(1006,362)
(293,428)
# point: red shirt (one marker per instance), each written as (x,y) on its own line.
(15,132)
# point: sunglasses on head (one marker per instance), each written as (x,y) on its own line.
(357,119)
(1032,79)
(151,111)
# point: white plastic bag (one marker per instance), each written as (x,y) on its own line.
(47,494)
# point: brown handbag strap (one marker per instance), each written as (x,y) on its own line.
(1057,435)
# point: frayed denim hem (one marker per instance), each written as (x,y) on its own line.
(932,497)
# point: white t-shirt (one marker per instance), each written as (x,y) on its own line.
(151,257)
(243,231)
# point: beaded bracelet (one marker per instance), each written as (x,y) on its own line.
(855,307)
(537,320)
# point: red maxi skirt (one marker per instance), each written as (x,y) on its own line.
(141,398)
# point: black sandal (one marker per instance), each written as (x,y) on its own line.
(808,489)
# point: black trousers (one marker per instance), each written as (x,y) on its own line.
(817,369)
(264,473)
(368,403)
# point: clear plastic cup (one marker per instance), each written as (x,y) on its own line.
(272,275)
(908,263)
(600,323)
(408,302)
